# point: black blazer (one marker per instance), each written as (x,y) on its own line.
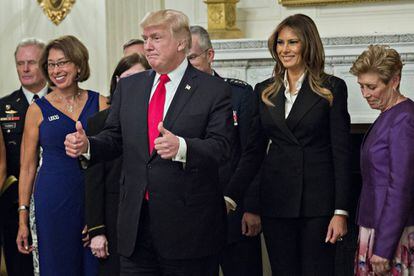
(186,205)
(306,171)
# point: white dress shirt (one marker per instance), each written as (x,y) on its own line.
(175,77)
(29,95)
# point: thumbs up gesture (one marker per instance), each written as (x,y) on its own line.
(77,142)
(166,145)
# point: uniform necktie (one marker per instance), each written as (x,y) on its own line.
(35,97)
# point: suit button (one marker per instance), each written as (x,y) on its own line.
(149,166)
(8,131)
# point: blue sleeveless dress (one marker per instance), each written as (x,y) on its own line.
(59,196)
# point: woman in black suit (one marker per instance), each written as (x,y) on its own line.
(305,174)
(102,182)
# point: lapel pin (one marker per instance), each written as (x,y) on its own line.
(187,87)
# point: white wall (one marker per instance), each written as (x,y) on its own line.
(104,25)
(257,18)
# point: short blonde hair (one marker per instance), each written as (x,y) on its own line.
(73,49)
(380,59)
(176,20)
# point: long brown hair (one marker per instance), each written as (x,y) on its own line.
(313,57)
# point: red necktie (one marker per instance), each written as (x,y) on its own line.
(156,111)
(155,114)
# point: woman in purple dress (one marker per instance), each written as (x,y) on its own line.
(59,184)
(386,207)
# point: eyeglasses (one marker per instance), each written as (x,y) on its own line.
(59,64)
(194,56)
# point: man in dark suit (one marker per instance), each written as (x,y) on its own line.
(13,109)
(173,126)
(242,255)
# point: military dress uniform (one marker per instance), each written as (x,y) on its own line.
(242,255)
(13,109)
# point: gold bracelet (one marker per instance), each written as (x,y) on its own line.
(23,208)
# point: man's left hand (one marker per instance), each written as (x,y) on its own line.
(167,145)
(251,224)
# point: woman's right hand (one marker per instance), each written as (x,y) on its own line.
(22,239)
(99,246)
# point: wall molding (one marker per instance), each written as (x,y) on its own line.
(250,61)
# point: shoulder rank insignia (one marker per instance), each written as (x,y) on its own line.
(236,82)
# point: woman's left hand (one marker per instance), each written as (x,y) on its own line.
(380,265)
(337,229)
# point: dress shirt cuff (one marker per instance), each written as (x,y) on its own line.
(233,205)
(87,154)
(341,212)
(182,151)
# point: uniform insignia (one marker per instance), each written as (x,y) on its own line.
(8,107)
(187,87)
(18,100)
(11,111)
(8,125)
(10,118)
(235,119)
(236,82)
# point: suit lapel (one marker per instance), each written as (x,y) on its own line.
(277,113)
(305,100)
(184,92)
(141,104)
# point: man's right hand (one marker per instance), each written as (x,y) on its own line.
(76,143)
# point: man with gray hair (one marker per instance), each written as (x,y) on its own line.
(13,109)
(242,254)
(173,126)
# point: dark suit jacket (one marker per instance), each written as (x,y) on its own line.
(12,125)
(306,171)
(242,101)
(186,205)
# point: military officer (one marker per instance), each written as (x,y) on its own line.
(242,254)
(12,116)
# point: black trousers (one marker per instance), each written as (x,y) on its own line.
(242,258)
(296,246)
(17,264)
(145,261)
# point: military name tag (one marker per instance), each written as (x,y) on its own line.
(8,125)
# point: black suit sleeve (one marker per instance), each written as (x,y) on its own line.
(107,145)
(341,144)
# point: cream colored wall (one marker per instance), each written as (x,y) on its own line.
(105,25)
(257,18)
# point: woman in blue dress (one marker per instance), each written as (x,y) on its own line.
(59,184)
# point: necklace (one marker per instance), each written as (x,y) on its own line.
(70,102)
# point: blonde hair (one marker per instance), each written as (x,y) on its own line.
(313,57)
(379,59)
(176,20)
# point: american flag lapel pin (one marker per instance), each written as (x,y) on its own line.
(187,87)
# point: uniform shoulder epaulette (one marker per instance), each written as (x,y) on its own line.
(236,82)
